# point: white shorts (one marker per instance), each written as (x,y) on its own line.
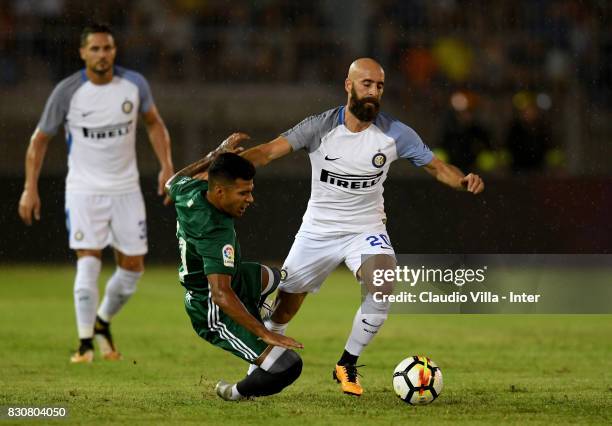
(312,258)
(95,221)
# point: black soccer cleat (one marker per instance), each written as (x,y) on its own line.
(85,354)
(104,339)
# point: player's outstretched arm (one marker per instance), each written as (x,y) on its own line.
(29,203)
(263,154)
(224,296)
(160,140)
(230,144)
(453,177)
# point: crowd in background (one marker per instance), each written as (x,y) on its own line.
(457,53)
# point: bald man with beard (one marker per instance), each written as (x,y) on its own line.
(351,148)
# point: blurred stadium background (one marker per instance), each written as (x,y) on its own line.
(519,91)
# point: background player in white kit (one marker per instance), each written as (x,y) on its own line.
(99,108)
(350,148)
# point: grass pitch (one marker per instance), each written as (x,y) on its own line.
(519,369)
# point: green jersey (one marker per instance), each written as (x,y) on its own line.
(206,235)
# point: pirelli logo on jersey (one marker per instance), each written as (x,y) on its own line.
(108,132)
(350,181)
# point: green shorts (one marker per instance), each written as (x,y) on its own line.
(214,326)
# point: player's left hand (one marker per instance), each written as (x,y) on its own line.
(473,183)
(163,176)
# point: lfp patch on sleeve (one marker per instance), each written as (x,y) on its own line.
(228,255)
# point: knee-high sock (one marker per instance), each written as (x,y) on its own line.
(280,368)
(369,318)
(272,326)
(119,288)
(86,294)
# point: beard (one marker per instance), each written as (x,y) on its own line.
(102,68)
(365,109)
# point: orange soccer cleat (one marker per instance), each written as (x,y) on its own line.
(348,377)
(82,357)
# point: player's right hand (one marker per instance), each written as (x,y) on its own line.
(230,144)
(286,342)
(29,204)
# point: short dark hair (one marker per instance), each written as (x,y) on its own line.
(228,167)
(94,28)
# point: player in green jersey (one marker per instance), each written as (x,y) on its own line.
(223,295)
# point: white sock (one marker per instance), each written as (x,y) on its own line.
(119,288)
(272,357)
(272,326)
(276,327)
(235,394)
(369,318)
(86,294)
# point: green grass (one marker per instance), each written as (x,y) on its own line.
(520,369)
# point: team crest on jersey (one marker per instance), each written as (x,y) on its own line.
(127,106)
(379,160)
(78,235)
(228,255)
(283,274)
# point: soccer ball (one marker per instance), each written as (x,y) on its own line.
(417,380)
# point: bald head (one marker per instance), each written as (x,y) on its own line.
(364,86)
(365,66)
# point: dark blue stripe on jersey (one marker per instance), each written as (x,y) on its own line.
(69,142)
(83,75)
(68,221)
(341,115)
(408,143)
(144,91)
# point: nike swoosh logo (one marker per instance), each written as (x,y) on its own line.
(85,114)
(331,159)
(367,323)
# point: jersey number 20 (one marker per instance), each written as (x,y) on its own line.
(375,240)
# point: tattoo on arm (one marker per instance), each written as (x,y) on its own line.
(191,170)
(228,145)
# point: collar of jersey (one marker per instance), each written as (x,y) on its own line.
(84,74)
(342,112)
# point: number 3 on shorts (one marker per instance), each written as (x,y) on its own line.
(381,240)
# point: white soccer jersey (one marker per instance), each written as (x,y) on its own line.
(100,125)
(349,169)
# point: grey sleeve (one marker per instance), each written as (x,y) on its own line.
(409,145)
(58,104)
(308,133)
(144,90)
(146,97)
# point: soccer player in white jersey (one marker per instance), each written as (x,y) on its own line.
(99,108)
(350,148)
